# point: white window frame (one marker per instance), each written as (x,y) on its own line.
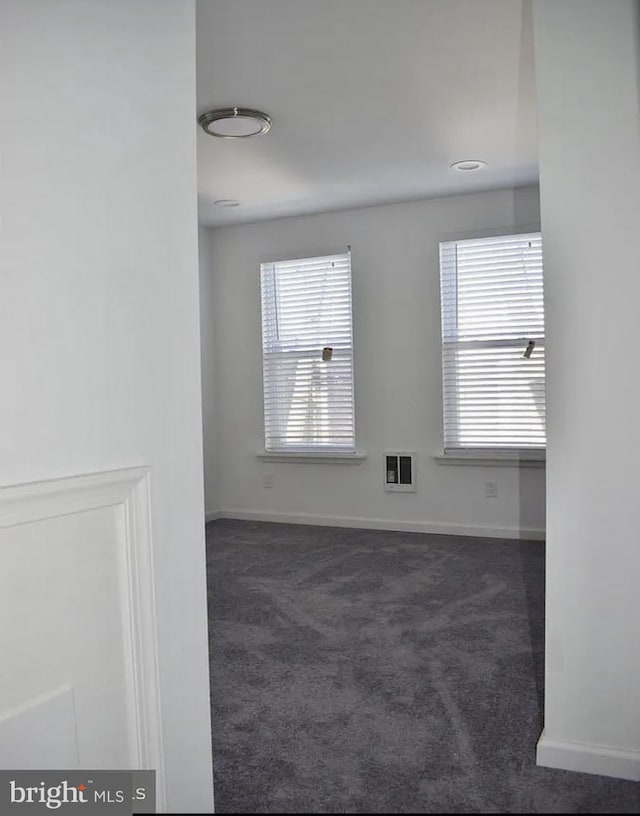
(273,348)
(489,455)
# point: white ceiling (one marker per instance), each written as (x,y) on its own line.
(371,101)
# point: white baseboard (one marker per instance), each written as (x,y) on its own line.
(382,524)
(212,515)
(593,759)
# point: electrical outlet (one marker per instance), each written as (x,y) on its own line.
(491,490)
(267,480)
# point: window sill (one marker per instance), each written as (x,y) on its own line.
(492,459)
(313,458)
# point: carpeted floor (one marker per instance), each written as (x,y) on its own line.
(356,671)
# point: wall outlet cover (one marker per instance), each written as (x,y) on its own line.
(491,490)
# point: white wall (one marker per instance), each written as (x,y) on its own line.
(397,371)
(99,335)
(587,61)
(207,345)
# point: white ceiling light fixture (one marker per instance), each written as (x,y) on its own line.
(468,165)
(227,202)
(234,123)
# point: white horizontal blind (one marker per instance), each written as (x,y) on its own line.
(308,400)
(492,306)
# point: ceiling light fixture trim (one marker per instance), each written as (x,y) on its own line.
(468,165)
(234,123)
(227,202)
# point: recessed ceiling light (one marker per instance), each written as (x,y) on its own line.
(234,123)
(468,165)
(227,202)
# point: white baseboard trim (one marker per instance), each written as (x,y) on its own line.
(592,759)
(382,524)
(212,515)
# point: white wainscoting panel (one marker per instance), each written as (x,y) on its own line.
(26,745)
(78,669)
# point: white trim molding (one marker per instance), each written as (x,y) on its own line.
(127,492)
(525,533)
(491,460)
(313,458)
(586,758)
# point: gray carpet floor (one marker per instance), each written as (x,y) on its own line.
(356,671)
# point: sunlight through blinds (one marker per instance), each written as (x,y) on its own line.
(307,345)
(492,318)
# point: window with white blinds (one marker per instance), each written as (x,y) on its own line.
(307,351)
(493,345)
